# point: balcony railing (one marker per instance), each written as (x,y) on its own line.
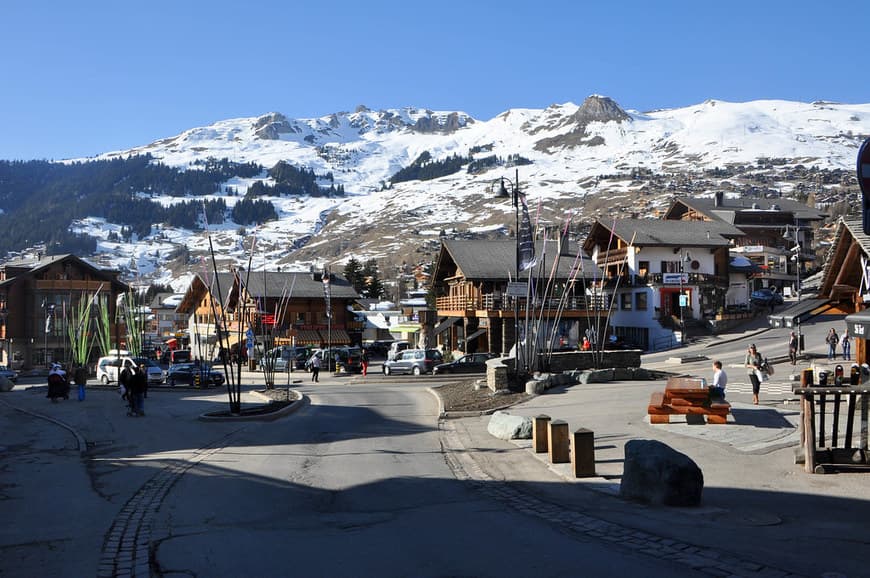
(501,302)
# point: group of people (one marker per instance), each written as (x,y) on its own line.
(134,389)
(833,339)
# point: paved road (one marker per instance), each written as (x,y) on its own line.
(357,483)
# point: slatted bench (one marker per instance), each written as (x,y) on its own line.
(689,397)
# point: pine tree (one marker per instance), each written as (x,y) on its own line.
(374,288)
(354,274)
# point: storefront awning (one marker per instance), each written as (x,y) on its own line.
(405,328)
(335,337)
(798,313)
(308,337)
(858,324)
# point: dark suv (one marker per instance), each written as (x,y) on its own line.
(349,359)
(414,361)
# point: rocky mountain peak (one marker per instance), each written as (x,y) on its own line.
(598,108)
(270,126)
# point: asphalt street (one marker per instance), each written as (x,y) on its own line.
(366,479)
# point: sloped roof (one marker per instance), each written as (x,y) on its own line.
(730,207)
(848,231)
(295,285)
(663,233)
(495,259)
(35,266)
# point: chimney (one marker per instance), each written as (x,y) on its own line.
(719,196)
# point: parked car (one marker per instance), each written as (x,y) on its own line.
(764,297)
(379,347)
(172,356)
(414,361)
(110,366)
(191,373)
(285,355)
(469,363)
(349,359)
(8,373)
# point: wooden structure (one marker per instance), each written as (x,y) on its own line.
(840,453)
(687,396)
(37,299)
(478,306)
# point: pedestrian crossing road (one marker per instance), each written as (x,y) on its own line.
(768,388)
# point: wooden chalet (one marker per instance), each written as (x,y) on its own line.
(290,307)
(476,307)
(36,302)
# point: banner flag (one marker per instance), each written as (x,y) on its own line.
(525,242)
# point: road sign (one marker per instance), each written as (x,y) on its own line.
(516,289)
(249,333)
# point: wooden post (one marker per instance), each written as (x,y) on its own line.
(539,433)
(808,410)
(583,453)
(558,442)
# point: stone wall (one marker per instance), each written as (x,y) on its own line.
(569,360)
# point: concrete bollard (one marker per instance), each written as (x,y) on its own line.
(540,433)
(583,453)
(558,442)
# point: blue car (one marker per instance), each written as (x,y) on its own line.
(765,297)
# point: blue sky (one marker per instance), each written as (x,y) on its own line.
(81,78)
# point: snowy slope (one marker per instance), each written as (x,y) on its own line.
(572,147)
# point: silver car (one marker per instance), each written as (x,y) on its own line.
(8,373)
(413,361)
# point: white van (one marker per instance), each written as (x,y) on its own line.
(396,347)
(109,367)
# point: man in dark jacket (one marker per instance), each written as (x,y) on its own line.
(139,388)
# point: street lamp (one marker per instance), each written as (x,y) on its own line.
(796,257)
(327,300)
(684,258)
(515,194)
(48,309)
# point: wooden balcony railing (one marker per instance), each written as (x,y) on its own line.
(501,302)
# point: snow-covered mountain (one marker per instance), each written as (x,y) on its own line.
(588,160)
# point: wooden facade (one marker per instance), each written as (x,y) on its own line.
(36,302)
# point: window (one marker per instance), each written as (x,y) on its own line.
(625,301)
(643,269)
(640,301)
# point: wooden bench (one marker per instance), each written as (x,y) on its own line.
(689,397)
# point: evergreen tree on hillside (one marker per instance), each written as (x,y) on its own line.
(374,288)
(353,272)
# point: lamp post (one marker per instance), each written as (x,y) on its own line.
(515,194)
(796,257)
(327,300)
(684,258)
(48,309)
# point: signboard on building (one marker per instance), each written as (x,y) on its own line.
(675,278)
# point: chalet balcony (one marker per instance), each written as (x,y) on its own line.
(502,302)
(611,257)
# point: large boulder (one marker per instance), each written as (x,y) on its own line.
(507,427)
(5,383)
(655,473)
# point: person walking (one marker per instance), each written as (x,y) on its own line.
(832,340)
(139,389)
(846,343)
(720,380)
(793,348)
(364,359)
(315,368)
(753,363)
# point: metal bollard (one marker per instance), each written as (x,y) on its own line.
(583,453)
(539,433)
(558,442)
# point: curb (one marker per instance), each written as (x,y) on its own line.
(80,439)
(300,402)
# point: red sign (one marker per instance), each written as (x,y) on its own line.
(268,319)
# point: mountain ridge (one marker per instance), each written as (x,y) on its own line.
(589,160)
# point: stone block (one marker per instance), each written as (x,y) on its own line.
(506,426)
(655,473)
(6,384)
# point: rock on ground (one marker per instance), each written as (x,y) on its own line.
(506,426)
(655,473)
